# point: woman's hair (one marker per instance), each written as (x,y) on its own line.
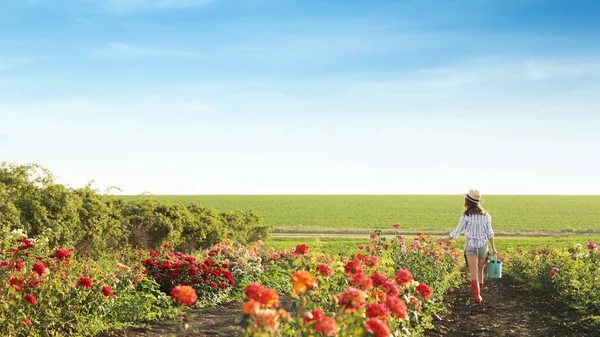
(472,208)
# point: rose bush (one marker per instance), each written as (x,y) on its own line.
(60,294)
(574,275)
(372,292)
(210,279)
(61,291)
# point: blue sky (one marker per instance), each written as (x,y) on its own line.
(282,97)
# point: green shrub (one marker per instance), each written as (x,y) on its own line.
(84,218)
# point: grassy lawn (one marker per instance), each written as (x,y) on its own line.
(525,215)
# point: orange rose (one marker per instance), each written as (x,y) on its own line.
(267,319)
(269,298)
(250,307)
(184,295)
(303,280)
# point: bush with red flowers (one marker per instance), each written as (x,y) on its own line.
(211,280)
(64,294)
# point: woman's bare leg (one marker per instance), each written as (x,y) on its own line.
(482,263)
(473,267)
(474,270)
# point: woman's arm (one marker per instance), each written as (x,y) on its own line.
(490,234)
(459,228)
(491,240)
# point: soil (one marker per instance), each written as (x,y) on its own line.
(218,321)
(506,310)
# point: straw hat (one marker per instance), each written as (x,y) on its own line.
(474,196)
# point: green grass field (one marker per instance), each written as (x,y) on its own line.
(347,214)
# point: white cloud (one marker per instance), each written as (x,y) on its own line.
(124,6)
(133,51)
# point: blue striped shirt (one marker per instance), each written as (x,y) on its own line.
(477,229)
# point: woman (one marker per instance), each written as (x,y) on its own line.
(476,223)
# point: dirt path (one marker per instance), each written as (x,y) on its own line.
(218,321)
(507,310)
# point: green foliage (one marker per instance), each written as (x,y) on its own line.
(90,221)
(573,274)
(151,222)
(100,221)
(363,213)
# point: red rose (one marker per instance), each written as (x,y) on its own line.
(403,276)
(106,291)
(362,281)
(326,326)
(325,269)
(314,315)
(377,327)
(17,265)
(377,310)
(29,298)
(34,283)
(62,254)
(302,249)
(353,267)
(423,290)
(390,288)
(85,282)
(396,305)
(15,282)
(378,279)
(40,268)
(352,299)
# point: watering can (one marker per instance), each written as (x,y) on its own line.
(494,268)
